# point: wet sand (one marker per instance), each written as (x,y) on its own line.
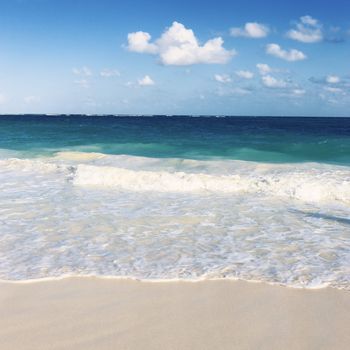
(92,313)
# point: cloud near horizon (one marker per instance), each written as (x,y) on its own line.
(108,73)
(298,92)
(245,74)
(83,71)
(271,82)
(82,83)
(32,99)
(332,79)
(335,90)
(222,78)
(2,99)
(179,46)
(146,81)
(263,68)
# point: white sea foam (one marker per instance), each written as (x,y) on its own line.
(312,185)
(155,180)
(25,165)
(307,182)
(79,156)
(174,219)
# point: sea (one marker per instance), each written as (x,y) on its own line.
(160,198)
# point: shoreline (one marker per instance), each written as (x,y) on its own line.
(169,280)
(113,313)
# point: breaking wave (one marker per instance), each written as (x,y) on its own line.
(157,218)
(307,182)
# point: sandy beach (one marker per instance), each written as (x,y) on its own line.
(92,313)
(174,175)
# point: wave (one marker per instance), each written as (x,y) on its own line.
(154,218)
(299,185)
(30,165)
(306,182)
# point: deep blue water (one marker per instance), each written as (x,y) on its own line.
(264,139)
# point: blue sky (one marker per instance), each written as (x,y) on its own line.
(184,57)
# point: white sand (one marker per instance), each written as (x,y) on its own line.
(91,313)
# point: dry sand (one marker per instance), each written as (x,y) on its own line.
(99,314)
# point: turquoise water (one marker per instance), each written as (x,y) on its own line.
(243,138)
(263,199)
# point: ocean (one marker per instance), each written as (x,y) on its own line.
(176,197)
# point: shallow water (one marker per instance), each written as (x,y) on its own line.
(69,212)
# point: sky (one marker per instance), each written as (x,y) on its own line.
(251,57)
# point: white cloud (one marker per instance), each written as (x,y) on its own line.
(251,30)
(32,99)
(271,82)
(233,91)
(108,73)
(295,93)
(298,92)
(263,68)
(179,46)
(333,89)
(129,83)
(309,21)
(240,91)
(224,78)
(308,30)
(290,55)
(83,71)
(82,83)
(333,101)
(245,74)
(332,79)
(146,81)
(139,42)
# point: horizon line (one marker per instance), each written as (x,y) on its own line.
(164,115)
